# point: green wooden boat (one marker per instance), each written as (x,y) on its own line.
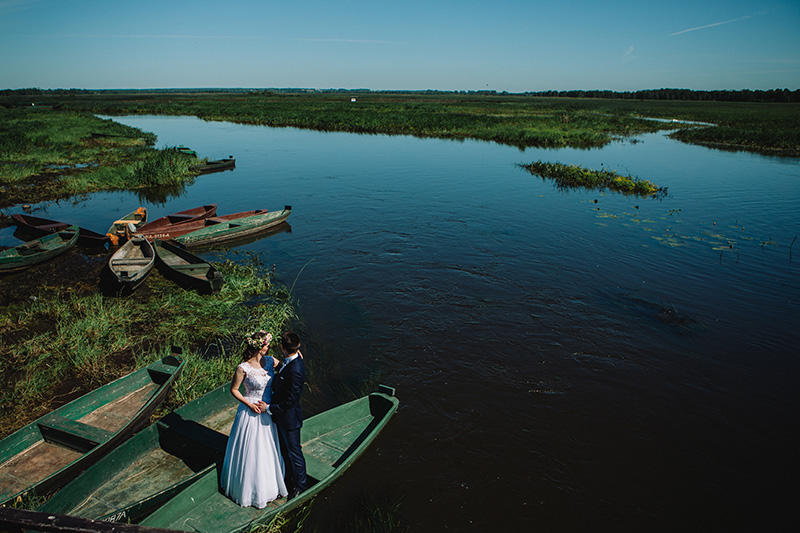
(227,230)
(218,165)
(38,250)
(186,269)
(184,451)
(186,150)
(332,441)
(47,453)
(152,466)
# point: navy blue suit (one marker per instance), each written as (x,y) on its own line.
(288,417)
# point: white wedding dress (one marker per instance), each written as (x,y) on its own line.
(252,472)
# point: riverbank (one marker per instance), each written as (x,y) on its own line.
(48,154)
(517,120)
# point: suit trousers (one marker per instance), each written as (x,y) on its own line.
(293,459)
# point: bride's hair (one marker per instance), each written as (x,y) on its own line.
(249,351)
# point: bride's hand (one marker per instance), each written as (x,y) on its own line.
(255,408)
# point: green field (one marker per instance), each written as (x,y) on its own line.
(55,146)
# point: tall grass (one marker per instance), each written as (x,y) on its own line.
(62,343)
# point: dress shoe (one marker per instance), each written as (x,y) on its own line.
(293,494)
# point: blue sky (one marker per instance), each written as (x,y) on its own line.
(503,45)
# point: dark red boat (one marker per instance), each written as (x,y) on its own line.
(39,227)
(170,226)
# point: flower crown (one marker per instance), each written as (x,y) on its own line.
(257,339)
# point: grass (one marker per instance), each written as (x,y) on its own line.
(575,176)
(62,343)
(48,154)
(518,120)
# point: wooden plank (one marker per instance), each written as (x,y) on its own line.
(19,520)
(40,460)
(55,424)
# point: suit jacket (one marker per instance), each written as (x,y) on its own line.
(286,388)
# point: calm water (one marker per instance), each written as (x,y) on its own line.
(565,361)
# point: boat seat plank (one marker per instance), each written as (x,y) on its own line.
(161,367)
(191,268)
(56,428)
(125,262)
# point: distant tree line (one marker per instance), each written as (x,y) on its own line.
(743,95)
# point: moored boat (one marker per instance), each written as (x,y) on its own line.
(218,165)
(186,150)
(120,229)
(46,453)
(38,227)
(186,269)
(38,250)
(176,230)
(132,263)
(331,441)
(176,459)
(227,230)
(163,228)
(152,466)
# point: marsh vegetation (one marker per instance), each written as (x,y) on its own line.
(517,120)
(48,154)
(575,176)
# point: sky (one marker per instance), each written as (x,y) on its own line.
(449,45)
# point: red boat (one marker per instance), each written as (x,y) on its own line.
(183,229)
(170,226)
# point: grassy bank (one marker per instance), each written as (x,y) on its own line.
(519,120)
(47,154)
(575,176)
(65,339)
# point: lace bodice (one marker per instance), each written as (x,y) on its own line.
(257,382)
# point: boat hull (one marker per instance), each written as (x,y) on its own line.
(152,466)
(39,227)
(38,250)
(331,440)
(132,263)
(47,453)
(168,227)
(234,229)
(186,269)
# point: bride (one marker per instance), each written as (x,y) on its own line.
(252,471)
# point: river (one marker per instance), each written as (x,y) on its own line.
(565,361)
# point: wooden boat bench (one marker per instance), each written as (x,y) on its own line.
(131,262)
(71,433)
(160,373)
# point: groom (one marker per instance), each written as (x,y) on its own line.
(286,413)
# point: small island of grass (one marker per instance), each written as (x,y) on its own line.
(575,176)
